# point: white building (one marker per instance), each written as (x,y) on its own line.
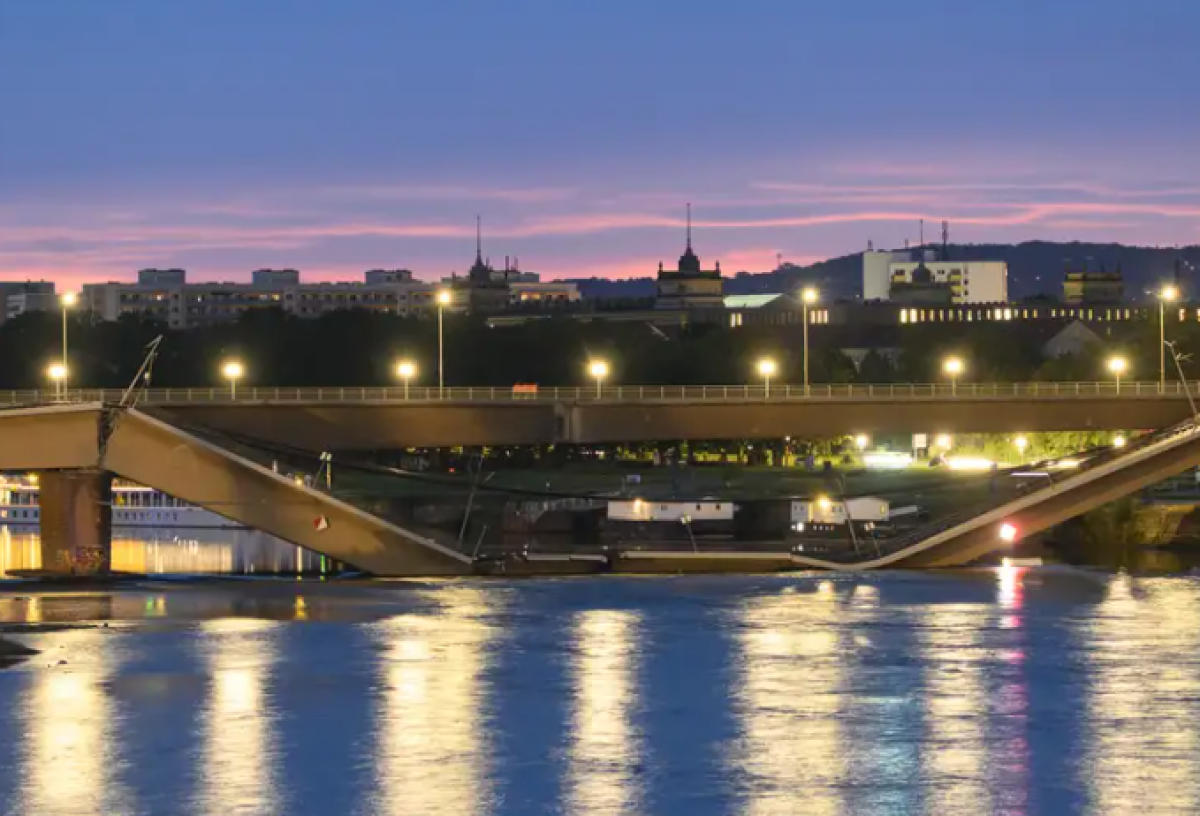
(969,281)
(877,272)
(19,297)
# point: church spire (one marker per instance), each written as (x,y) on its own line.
(478,240)
(689,226)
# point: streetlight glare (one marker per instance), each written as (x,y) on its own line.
(57,372)
(809,295)
(443,297)
(1119,441)
(1117,365)
(233,370)
(861,441)
(1022,443)
(1169,292)
(944,441)
(953,366)
(767,367)
(598,369)
(69,299)
(406,369)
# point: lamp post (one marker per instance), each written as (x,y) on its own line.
(1166,294)
(57,372)
(1117,366)
(1021,444)
(599,370)
(233,370)
(766,370)
(807,297)
(406,370)
(861,442)
(953,367)
(443,300)
(68,300)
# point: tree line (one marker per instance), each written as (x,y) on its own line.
(356,348)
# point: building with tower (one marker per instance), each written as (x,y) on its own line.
(689,287)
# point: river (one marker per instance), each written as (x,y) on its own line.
(1001,691)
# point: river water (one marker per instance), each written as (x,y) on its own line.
(1003,691)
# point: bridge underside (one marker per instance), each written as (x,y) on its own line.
(142,449)
(397,425)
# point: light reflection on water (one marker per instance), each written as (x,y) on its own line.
(604,753)
(239,756)
(973,693)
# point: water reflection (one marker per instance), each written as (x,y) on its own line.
(1142,736)
(603,763)
(70,752)
(240,758)
(431,749)
(175,551)
(789,697)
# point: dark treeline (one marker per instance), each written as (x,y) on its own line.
(361,348)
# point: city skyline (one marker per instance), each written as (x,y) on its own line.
(223,139)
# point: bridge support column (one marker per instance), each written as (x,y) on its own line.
(76,518)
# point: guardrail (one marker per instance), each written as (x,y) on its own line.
(622,393)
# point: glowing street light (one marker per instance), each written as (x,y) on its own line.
(599,370)
(944,441)
(233,370)
(807,298)
(1168,294)
(406,370)
(953,366)
(1021,444)
(1119,441)
(67,300)
(443,300)
(57,372)
(766,370)
(1117,366)
(861,441)
(1008,532)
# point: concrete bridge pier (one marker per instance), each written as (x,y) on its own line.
(76,520)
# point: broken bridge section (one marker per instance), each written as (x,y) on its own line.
(74,445)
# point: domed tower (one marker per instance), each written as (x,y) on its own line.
(690,286)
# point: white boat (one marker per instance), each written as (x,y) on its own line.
(132,506)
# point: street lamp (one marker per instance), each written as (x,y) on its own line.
(861,441)
(68,300)
(233,371)
(807,297)
(443,300)
(766,370)
(406,370)
(944,441)
(57,372)
(1117,366)
(1119,441)
(1021,444)
(599,370)
(953,366)
(1166,294)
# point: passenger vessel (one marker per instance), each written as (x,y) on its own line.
(132,506)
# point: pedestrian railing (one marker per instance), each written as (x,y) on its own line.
(623,393)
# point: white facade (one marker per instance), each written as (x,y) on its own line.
(544,294)
(677,511)
(970,281)
(877,273)
(827,511)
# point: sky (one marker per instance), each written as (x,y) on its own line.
(224,136)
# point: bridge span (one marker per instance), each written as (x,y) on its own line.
(393,418)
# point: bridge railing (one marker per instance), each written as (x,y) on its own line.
(623,393)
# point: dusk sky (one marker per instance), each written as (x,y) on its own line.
(226,135)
